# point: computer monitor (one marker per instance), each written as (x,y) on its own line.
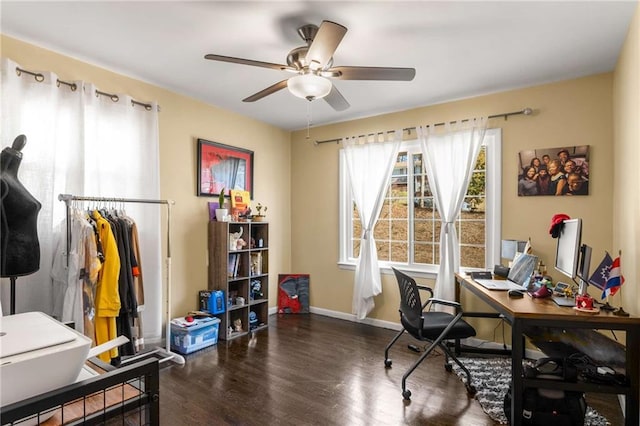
(568,249)
(585,264)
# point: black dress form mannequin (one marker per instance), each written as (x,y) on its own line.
(19,249)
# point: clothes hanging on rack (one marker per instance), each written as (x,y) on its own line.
(136,331)
(85,293)
(74,285)
(138,285)
(121,227)
(107,295)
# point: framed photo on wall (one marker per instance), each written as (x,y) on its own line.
(223,167)
(554,171)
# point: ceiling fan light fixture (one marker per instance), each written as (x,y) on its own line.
(309,86)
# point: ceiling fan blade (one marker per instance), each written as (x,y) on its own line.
(248,62)
(336,100)
(268,91)
(324,43)
(374,73)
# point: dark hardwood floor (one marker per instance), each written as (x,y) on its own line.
(316,370)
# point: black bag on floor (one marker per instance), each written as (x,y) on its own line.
(547,407)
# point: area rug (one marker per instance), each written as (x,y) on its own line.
(491,378)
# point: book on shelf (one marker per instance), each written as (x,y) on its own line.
(256,263)
(213,206)
(232,265)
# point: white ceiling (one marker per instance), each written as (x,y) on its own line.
(459,49)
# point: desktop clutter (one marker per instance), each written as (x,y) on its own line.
(575,354)
(572,259)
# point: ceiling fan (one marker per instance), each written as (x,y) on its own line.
(313,66)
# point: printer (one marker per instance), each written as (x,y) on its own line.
(38,354)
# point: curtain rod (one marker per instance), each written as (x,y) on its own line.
(526,111)
(39,77)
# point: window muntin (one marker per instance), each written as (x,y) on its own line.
(407,232)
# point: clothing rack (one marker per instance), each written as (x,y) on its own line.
(165,353)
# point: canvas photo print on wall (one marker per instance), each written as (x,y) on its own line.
(554,171)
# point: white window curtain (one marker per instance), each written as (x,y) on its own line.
(83,144)
(369,165)
(450,153)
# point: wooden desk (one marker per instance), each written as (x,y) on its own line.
(526,312)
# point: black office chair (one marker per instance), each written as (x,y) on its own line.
(428,326)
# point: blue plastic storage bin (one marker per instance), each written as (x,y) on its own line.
(187,339)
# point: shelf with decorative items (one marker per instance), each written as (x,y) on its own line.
(262,213)
(221,211)
(239,266)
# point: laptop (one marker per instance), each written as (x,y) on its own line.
(519,275)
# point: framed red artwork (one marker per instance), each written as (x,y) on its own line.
(223,167)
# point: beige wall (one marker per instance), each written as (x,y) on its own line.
(182,121)
(626,158)
(576,112)
(567,113)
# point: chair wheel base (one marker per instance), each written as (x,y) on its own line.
(387,363)
(448,367)
(406,394)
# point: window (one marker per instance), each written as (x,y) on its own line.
(408,230)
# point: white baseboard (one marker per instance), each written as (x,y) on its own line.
(347,317)
(472,341)
(353,318)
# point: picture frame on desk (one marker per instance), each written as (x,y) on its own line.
(223,167)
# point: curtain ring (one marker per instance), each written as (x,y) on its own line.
(115,98)
(39,77)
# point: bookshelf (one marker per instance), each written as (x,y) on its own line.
(239,271)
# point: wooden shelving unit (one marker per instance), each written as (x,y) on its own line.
(236,272)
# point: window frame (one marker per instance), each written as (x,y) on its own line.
(493,200)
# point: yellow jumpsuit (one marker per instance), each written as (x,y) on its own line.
(107,296)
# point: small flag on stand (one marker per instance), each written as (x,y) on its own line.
(615,280)
(601,273)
